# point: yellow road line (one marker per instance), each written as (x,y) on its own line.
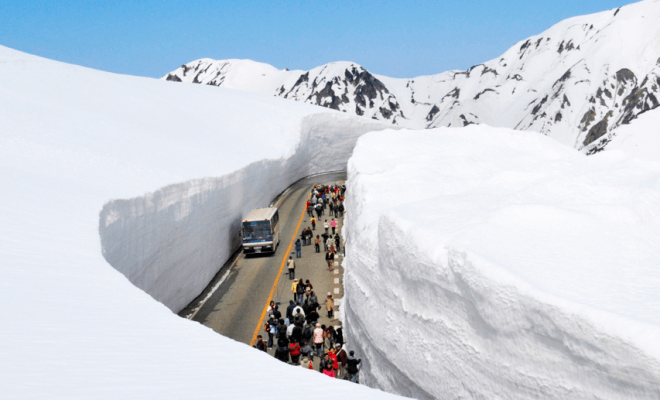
(277,280)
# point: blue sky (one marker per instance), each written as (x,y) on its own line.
(394,38)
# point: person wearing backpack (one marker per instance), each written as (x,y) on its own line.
(291,265)
(314,301)
(307,334)
(312,317)
(352,367)
(272,332)
(300,291)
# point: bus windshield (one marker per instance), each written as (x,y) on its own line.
(257,230)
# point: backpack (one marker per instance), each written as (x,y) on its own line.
(307,334)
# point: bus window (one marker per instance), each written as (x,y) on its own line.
(257,230)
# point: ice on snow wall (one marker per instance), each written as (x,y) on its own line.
(172,242)
(486,263)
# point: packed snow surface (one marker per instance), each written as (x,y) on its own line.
(99,169)
(490,263)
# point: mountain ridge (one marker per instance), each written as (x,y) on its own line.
(576,82)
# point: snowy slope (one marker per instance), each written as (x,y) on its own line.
(641,137)
(95,166)
(575,82)
(489,263)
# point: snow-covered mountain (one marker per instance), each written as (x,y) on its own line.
(575,82)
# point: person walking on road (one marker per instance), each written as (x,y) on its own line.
(324,238)
(333,224)
(298,249)
(352,367)
(313,221)
(291,265)
(282,354)
(261,345)
(289,312)
(317,244)
(271,326)
(300,291)
(294,352)
(294,290)
(326,225)
(329,258)
(342,358)
(337,242)
(318,339)
(329,305)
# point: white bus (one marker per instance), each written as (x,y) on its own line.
(259,232)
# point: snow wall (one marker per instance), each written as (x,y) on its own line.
(485,263)
(71,140)
(172,242)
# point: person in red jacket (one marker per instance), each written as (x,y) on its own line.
(333,357)
(294,352)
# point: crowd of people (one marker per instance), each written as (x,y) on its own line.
(298,336)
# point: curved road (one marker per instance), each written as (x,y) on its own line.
(237,297)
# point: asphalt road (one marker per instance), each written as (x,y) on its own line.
(240,291)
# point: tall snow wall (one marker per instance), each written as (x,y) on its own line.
(172,242)
(485,263)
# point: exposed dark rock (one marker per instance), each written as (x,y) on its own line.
(617,11)
(385,112)
(488,70)
(328,92)
(537,107)
(432,113)
(173,78)
(597,130)
(358,110)
(565,102)
(558,117)
(587,119)
(465,121)
(525,45)
(625,75)
(482,92)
